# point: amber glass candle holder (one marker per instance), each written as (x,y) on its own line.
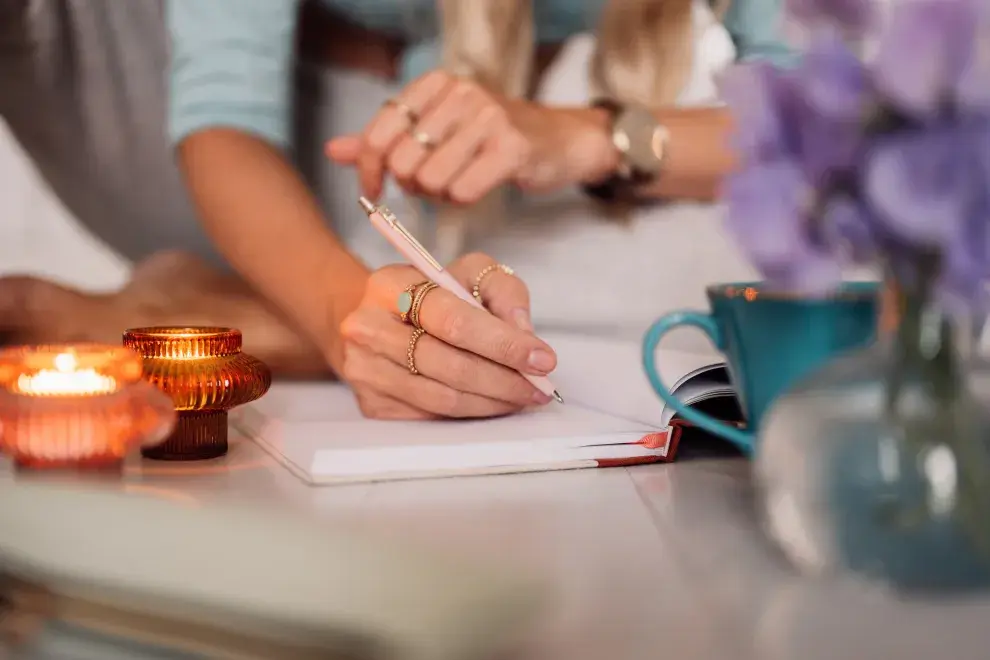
(77,406)
(206,374)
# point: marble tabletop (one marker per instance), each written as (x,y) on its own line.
(663,559)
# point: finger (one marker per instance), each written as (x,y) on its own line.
(462,102)
(391,123)
(497,163)
(378,373)
(449,158)
(506,296)
(374,405)
(344,150)
(450,319)
(379,332)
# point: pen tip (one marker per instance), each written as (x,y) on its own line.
(367,205)
(557,396)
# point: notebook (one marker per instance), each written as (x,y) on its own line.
(90,572)
(611,418)
(606,374)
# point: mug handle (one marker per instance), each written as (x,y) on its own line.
(704,322)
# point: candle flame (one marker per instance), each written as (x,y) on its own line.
(66,379)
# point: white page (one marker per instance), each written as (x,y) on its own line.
(607,375)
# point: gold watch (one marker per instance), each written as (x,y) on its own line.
(641,142)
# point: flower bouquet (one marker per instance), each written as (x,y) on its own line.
(875,149)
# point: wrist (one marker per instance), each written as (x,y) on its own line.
(595,150)
(341,288)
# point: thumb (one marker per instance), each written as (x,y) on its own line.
(344,150)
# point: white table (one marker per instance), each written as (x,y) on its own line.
(657,561)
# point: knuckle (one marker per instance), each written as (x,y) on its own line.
(510,351)
(476,259)
(429,181)
(449,402)
(370,406)
(460,372)
(465,193)
(400,164)
(356,329)
(385,277)
(351,369)
(375,144)
(453,327)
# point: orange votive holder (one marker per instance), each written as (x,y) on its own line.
(205,373)
(82,406)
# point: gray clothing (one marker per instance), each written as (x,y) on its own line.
(82,89)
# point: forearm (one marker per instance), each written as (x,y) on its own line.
(697,154)
(265,221)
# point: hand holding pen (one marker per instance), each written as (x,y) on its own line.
(415,351)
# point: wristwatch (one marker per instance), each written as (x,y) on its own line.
(642,145)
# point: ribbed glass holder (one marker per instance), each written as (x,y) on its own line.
(205,373)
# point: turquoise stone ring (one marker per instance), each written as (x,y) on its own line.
(404,303)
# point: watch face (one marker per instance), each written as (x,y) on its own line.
(642,139)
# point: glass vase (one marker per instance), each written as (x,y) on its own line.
(878,465)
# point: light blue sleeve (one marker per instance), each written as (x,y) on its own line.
(231,66)
(757,26)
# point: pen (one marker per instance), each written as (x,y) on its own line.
(407,245)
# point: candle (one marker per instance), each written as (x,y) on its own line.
(205,373)
(65,378)
(82,406)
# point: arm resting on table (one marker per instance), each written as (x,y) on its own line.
(229,115)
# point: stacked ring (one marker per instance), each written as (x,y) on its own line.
(405,301)
(411,350)
(485,272)
(417,302)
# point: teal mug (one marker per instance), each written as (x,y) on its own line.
(769,339)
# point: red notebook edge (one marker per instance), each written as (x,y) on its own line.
(666,439)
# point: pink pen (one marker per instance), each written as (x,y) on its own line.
(407,245)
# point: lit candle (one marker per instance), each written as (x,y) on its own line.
(66,378)
(77,406)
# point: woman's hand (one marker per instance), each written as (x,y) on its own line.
(468,360)
(450,138)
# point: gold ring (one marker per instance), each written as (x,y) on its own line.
(423,139)
(411,350)
(405,110)
(476,290)
(404,303)
(417,303)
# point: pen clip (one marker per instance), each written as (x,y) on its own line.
(394,223)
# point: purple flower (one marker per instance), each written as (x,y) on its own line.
(849,230)
(768,209)
(812,115)
(929,52)
(973,85)
(834,80)
(852,17)
(755,92)
(924,185)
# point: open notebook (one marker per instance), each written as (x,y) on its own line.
(611,418)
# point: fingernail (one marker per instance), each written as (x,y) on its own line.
(541,361)
(521,317)
(541,399)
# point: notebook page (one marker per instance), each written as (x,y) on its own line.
(607,375)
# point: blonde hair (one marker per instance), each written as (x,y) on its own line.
(643,55)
